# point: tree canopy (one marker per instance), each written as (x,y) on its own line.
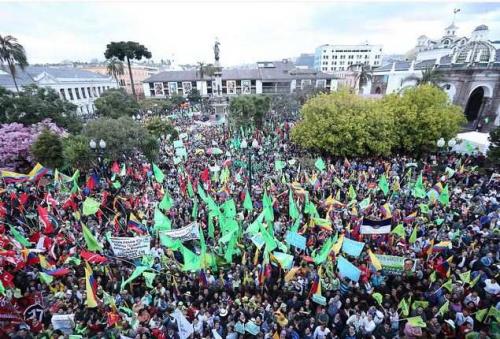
(494,150)
(123,137)
(158,127)
(115,103)
(36,104)
(246,110)
(48,149)
(344,124)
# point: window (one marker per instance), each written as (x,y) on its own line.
(89,92)
(70,92)
(324,68)
(366,56)
(83,95)
(335,62)
(351,56)
(63,93)
(77,92)
(334,68)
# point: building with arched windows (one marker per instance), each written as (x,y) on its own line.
(468,71)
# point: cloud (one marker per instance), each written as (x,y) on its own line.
(248,31)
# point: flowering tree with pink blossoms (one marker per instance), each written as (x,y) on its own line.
(16,140)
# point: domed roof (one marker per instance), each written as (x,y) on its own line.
(451,27)
(423,37)
(481,28)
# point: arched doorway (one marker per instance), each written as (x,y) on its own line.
(473,107)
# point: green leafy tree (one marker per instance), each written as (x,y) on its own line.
(127,50)
(36,104)
(194,96)
(177,99)
(344,124)
(48,149)
(13,54)
(153,105)
(123,137)
(158,127)
(115,103)
(246,110)
(77,152)
(430,75)
(494,150)
(422,115)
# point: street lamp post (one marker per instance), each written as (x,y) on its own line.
(254,147)
(99,149)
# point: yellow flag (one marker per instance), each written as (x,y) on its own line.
(375,262)
(291,274)
(338,245)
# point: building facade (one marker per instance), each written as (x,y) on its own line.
(274,77)
(469,74)
(139,73)
(332,58)
(78,86)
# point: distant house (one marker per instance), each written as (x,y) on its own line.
(78,86)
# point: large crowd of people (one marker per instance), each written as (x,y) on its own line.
(238,233)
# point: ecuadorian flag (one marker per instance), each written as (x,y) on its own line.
(35,174)
(135,225)
(90,286)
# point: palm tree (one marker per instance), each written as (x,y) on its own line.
(201,69)
(12,53)
(363,75)
(429,76)
(115,68)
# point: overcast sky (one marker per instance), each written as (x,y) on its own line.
(248,30)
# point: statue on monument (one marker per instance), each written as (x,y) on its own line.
(216,50)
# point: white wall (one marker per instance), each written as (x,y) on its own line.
(145,88)
(258,87)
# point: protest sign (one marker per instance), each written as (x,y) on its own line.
(395,265)
(189,232)
(295,239)
(352,247)
(130,247)
(347,269)
(63,322)
(319,299)
(239,327)
(185,327)
(251,328)
(258,240)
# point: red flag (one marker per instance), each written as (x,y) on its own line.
(205,175)
(7,279)
(23,199)
(113,318)
(91,183)
(50,201)
(92,257)
(43,215)
(70,204)
(115,168)
(314,287)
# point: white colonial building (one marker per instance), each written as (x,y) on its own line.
(73,84)
(332,58)
(269,77)
(468,69)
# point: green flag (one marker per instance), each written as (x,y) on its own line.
(465,277)
(383,184)
(405,310)
(19,237)
(419,189)
(324,252)
(90,240)
(191,261)
(419,303)
(194,212)
(117,185)
(247,203)
(416,322)
(123,170)
(159,176)
(413,236)
(135,274)
(365,203)
(2,288)
(474,282)
(448,285)
(229,208)
(90,206)
(444,309)
(444,197)
(481,314)
(493,312)
(169,242)
(352,193)
(279,165)
(320,164)
(399,230)
(166,202)
(292,208)
(268,238)
(439,221)
(190,189)
(149,277)
(424,208)
(46,278)
(378,297)
(433,276)
(162,222)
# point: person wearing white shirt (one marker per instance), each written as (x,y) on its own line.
(472,298)
(321,332)
(491,286)
(354,320)
(367,325)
